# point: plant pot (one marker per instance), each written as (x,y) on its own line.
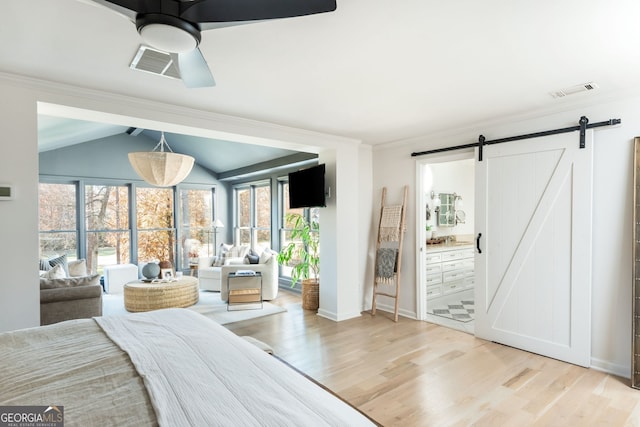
(310,294)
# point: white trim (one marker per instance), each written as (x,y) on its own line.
(402,312)
(611,368)
(420,249)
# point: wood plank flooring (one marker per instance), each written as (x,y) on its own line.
(415,373)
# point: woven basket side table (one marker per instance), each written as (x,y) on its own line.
(144,296)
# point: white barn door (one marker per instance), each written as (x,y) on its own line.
(533,276)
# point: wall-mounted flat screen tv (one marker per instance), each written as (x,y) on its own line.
(306,188)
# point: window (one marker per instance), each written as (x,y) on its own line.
(253,215)
(243,216)
(263,216)
(107,226)
(154,219)
(196,221)
(58,218)
(102,222)
(285,228)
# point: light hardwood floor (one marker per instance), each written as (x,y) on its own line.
(415,373)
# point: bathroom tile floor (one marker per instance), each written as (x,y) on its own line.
(462,311)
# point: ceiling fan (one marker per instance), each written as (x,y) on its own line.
(174,26)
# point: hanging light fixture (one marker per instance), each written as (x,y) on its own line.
(161,168)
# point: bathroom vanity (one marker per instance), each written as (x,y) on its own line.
(450,269)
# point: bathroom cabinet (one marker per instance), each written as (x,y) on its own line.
(449,270)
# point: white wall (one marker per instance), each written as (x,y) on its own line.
(612,211)
(23,98)
(19,291)
(393,167)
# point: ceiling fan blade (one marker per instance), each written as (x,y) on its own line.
(251,10)
(193,68)
(126,8)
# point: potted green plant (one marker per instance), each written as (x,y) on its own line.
(303,255)
(429,230)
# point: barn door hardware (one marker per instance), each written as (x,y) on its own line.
(482,141)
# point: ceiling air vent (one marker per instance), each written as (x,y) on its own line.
(155,61)
(585,87)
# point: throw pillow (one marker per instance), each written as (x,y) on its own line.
(69,282)
(266,256)
(251,259)
(257,250)
(44,264)
(239,251)
(224,248)
(62,260)
(55,273)
(224,253)
(78,268)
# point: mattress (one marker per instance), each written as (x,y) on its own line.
(165,367)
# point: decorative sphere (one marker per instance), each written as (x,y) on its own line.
(165,264)
(151,270)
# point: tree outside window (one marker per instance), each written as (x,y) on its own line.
(107,225)
(57,220)
(196,222)
(154,218)
(253,215)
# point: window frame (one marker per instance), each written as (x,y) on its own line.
(253,227)
(78,237)
(81,226)
(184,227)
(284,278)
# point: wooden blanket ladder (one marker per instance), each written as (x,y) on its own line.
(391,231)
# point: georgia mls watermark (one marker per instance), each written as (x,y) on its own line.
(32,416)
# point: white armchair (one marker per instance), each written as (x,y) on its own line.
(208,274)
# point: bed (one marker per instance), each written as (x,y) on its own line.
(171,367)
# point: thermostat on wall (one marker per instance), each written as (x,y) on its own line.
(6,192)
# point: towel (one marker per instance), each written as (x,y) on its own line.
(390,224)
(386,263)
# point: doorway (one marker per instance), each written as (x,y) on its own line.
(446,195)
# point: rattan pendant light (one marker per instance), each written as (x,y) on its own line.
(161,168)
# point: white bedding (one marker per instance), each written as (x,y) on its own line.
(209,377)
(169,367)
(75,365)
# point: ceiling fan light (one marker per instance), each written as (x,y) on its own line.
(168,38)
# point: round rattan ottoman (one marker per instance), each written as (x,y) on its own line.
(142,296)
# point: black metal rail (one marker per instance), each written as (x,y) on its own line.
(482,141)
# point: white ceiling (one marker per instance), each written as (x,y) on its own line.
(374,70)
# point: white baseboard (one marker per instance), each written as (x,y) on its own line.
(404,313)
(334,316)
(611,368)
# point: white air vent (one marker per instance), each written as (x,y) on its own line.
(585,87)
(155,61)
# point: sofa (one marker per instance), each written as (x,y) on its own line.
(68,292)
(73,299)
(213,271)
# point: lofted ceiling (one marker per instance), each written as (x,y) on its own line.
(375,70)
(216,155)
